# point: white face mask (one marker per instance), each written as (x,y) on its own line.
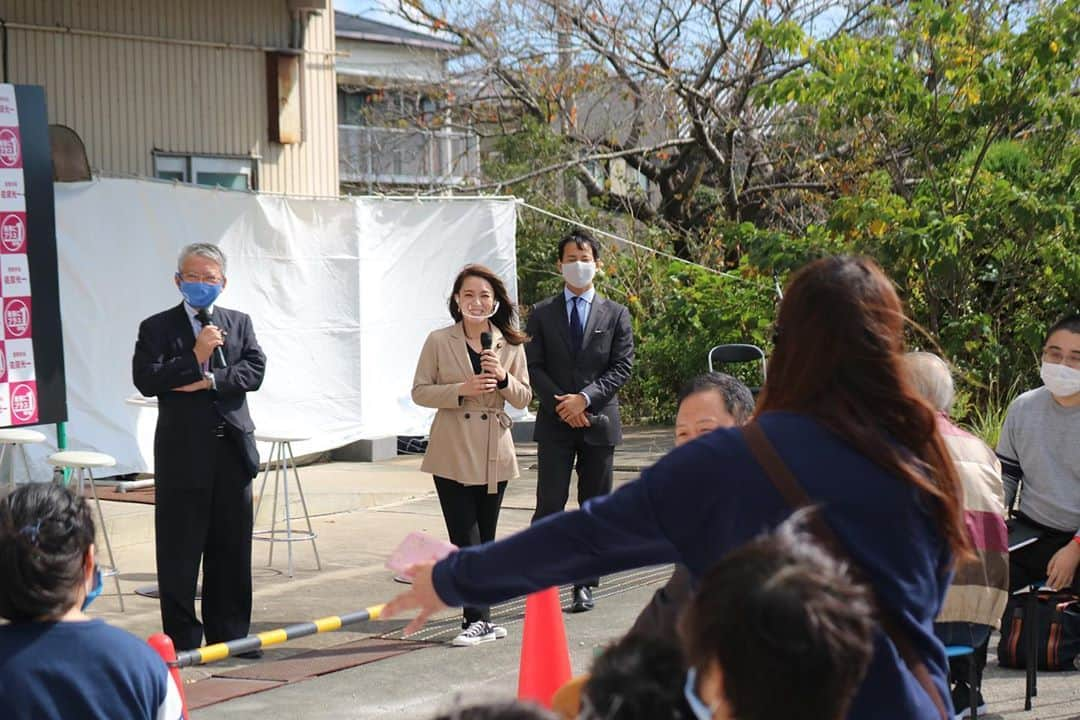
(468,313)
(578,274)
(1061,380)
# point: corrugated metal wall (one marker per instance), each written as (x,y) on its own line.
(128,97)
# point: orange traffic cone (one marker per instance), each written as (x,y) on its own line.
(545,658)
(163,646)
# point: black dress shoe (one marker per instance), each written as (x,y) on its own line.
(250,655)
(583,601)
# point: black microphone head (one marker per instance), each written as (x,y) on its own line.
(485,340)
(203,316)
(599,421)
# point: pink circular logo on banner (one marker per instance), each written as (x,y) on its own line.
(3,365)
(9,148)
(23,403)
(17,318)
(12,233)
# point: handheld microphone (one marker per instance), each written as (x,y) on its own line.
(485,343)
(598,421)
(217,359)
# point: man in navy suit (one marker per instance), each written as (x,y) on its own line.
(580,354)
(200,361)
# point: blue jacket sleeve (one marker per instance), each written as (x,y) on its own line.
(608,534)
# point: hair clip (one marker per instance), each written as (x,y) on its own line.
(32,532)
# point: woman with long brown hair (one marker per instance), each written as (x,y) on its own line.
(468,371)
(839,411)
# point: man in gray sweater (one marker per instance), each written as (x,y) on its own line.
(1039,450)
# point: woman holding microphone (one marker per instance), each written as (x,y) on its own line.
(468,371)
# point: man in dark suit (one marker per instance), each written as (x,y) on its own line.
(580,354)
(200,361)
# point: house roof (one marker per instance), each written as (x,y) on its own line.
(355,27)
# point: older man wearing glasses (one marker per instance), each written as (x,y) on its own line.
(200,361)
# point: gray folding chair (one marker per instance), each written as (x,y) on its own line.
(738,353)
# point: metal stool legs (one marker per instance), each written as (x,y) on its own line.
(111,568)
(973,690)
(968,651)
(1031,638)
(11,470)
(281,456)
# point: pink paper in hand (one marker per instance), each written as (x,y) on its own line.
(418,547)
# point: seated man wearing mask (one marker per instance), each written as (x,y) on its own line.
(1040,454)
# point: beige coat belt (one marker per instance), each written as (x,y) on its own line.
(498,421)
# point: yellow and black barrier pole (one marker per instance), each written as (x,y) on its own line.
(220,651)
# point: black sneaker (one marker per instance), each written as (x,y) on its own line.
(477,632)
(961,698)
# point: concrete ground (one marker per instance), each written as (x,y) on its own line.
(361,511)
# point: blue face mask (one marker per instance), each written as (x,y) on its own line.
(697,705)
(95,590)
(199,295)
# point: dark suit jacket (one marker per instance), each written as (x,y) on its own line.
(660,618)
(598,370)
(165,359)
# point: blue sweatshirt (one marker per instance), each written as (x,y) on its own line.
(82,669)
(709,497)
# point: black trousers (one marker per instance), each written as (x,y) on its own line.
(471,514)
(1027,565)
(212,525)
(556,461)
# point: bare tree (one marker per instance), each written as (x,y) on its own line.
(671,88)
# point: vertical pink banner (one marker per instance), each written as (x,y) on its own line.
(24,404)
(10,148)
(13,233)
(17,318)
(18,379)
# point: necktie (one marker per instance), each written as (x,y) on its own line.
(577,332)
(204,367)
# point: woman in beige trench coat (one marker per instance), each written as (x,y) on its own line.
(470,450)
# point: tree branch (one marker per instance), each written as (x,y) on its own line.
(576,162)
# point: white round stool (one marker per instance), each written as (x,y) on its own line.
(82,463)
(17,439)
(281,457)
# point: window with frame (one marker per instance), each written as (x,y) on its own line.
(231,173)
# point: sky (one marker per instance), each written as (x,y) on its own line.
(380,10)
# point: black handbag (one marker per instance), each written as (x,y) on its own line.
(1057,618)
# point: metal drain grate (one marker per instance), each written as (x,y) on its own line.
(513,611)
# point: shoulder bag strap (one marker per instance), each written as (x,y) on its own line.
(795,496)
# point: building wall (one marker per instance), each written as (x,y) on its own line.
(388,63)
(127,96)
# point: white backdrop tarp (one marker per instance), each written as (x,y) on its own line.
(341,293)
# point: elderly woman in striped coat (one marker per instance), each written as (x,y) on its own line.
(976,599)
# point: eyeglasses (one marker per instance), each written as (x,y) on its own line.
(195,277)
(1058,357)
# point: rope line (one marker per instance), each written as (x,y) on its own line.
(616,238)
